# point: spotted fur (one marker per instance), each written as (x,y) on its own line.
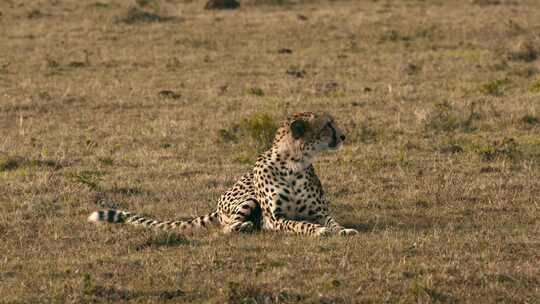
(282,193)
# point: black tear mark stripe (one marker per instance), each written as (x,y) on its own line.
(334,137)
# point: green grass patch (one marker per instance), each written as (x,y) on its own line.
(258,128)
(506,148)
(164,239)
(256,91)
(495,87)
(246,293)
(445,118)
(529,119)
(90,178)
(535,86)
(106,161)
(469,55)
(11,163)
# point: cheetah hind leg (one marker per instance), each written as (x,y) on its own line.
(245,218)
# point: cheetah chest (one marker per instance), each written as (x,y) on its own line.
(300,199)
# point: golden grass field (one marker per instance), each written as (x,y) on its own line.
(158,109)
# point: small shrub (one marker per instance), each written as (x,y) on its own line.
(535,86)
(196,43)
(424,294)
(391,35)
(9,163)
(486,2)
(272,2)
(259,128)
(221,4)
(99,5)
(244,158)
(129,191)
(88,285)
(451,149)
(106,161)
(529,120)
(86,177)
(168,94)
(507,148)
(524,72)
(330,89)
(495,87)
(136,15)
(151,4)
(95,293)
(244,293)
(44,95)
(164,239)
(35,14)
(51,63)
(367,134)
(410,69)
(442,118)
(228,135)
(256,91)
(524,50)
(296,72)
(487,153)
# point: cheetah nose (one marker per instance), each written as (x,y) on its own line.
(342,137)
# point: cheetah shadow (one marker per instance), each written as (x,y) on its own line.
(417,223)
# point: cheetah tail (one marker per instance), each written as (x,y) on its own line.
(120,216)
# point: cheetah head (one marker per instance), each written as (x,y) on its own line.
(306,134)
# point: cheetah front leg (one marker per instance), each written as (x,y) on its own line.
(242,217)
(278,222)
(329,222)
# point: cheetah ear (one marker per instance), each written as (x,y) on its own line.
(298,128)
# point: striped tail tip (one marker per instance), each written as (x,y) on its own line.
(94,217)
(110,216)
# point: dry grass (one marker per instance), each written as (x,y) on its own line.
(160,114)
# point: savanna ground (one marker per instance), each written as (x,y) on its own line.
(158,109)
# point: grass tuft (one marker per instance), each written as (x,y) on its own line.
(445,118)
(529,119)
(535,86)
(524,50)
(256,91)
(451,149)
(164,239)
(10,163)
(86,177)
(246,293)
(258,128)
(135,15)
(261,128)
(494,87)
(506,148)
(272,2)
(93,292)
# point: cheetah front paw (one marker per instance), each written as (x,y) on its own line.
(348,232)
(245,227)
(323,231)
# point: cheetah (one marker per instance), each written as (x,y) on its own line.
(281,193)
